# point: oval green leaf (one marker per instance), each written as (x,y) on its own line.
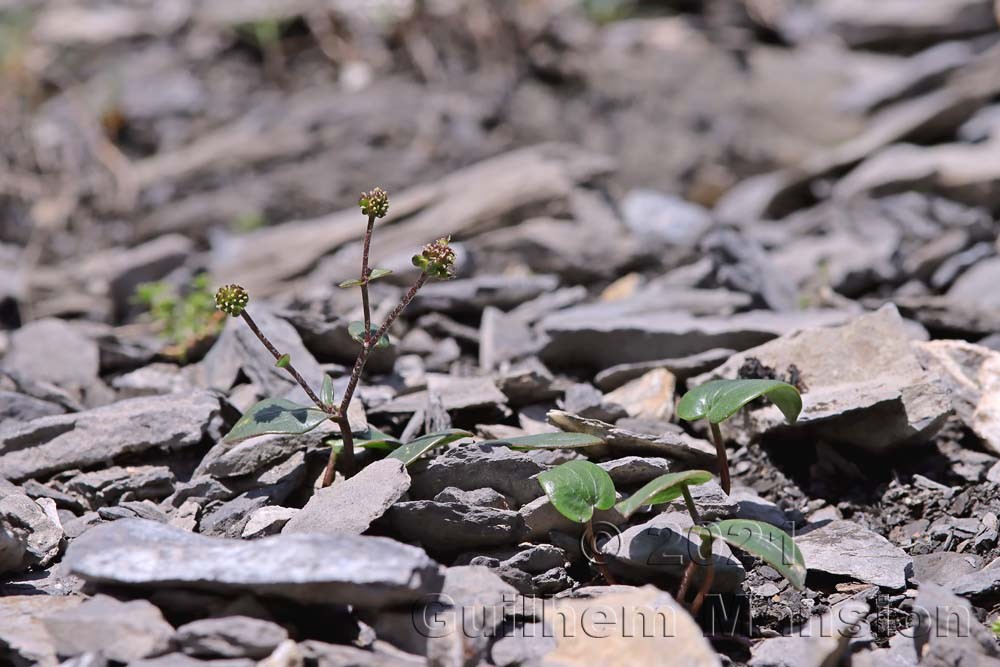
(769,543)
(576,488)
(326,391)
(284,361)
(354,282)
(276,415)
(558,440)
(378,273)
(414,449)
(357,332)
(663,489)
(371,439)
(719,400)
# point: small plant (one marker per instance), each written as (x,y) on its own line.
(184,320)
(995,627)
(579,487)
(277,415)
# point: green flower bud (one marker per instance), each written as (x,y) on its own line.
(231,299)
(437,259)
(374,203)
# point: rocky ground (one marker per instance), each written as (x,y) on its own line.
(643,196)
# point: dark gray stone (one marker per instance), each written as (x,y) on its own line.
(635,470)
(330,569)
(474,466)
(105,487)
(450,527)
(480,497)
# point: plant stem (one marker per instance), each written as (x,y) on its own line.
(706,583)
(331,410)
(364,280)
(686,581)
(720,448)
(602,566)
(689,502)
(347,451)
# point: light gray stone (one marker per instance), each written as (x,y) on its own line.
(122,631)
(864,384)
(635,470)
(22,632)
(229,637)
(51,350)
(90,438)
(947,631)
(267,521)
(673,443)
(101,488)
(330,569)
(481,497)
(350,506)
(846,549)
(28,522)
(540,518)
(822,642)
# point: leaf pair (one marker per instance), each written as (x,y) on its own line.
(719,400)
(577,488)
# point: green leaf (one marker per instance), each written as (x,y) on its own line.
(284,361)
(576,488)
(663,489)
(378,273)
(719,400)
(356,282)
(326,391)
(769,543)
(276,415)
(371,439)
(547,441)
(414,449)
(357,332)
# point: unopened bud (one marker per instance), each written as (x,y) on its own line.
(437,259)
(231,299)
(374,203)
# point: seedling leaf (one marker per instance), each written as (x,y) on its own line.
(326,391)
(719,400)
(576,488)
(352,283)
(378,273)
(414,449)
(276,415)
(547,441)
(357,332)
(663,489)
(283,361)
(769,543)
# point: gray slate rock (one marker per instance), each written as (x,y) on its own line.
(231,517)
(944,567)
(331,569)
(672,443)
(947,631)
(662,546)
(712,502)
(267,521)
(22,634)
(599,336)
(981,585)
(30,525)
(51,350)
(455,393)
(101,488)
(15,406)
(635,470)
(450,527)
(541,518)
(93,437)
(822,642)
(122,631)
(681,368)
(480,497)
(865,385)
(846,549)
(350,506)
(664,220)
(476,466)
(229,637)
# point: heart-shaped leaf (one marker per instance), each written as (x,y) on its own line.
(719,400)
(663,489)
(357,332)
(557,440)
(769,543)
(276,415)
(414,449)
(326,391)
(576,488)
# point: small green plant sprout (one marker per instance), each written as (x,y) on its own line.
(576,489)
(719,400)
(579,487)
(995,627)
(277,415)
(185,320)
